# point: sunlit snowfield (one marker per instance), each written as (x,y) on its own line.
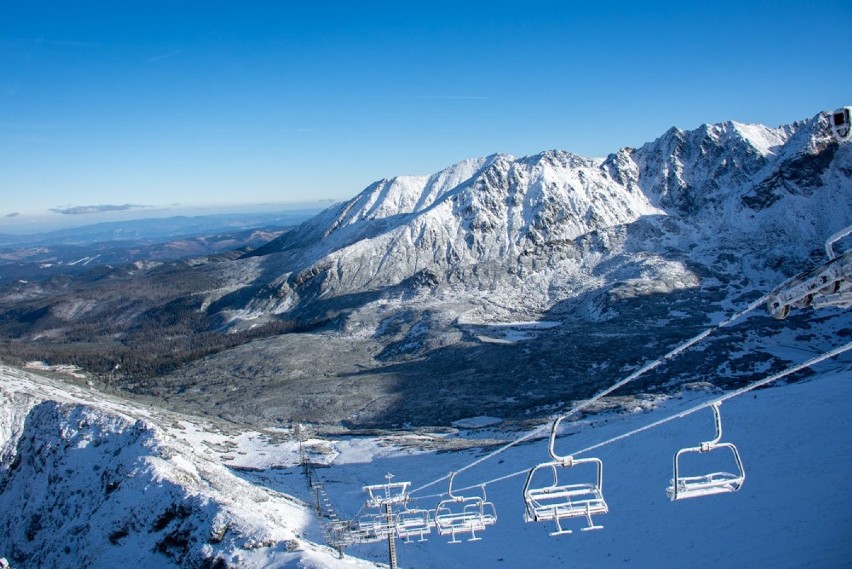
(794,510)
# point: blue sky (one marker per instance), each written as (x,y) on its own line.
(220,104)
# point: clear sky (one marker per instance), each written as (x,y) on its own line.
(220,103)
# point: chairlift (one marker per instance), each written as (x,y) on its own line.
(372,527)
(840,123)
(464,514)
(682,487)
(557,500)
(487,510)
(414,522)
(341,533)
(826,285)
(387,493)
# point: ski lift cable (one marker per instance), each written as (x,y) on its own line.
(730,395)
(683,346)
(681,414)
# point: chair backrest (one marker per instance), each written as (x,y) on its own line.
(414,521)
(715,482)
(841,123)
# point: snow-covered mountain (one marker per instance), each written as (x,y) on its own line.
(478,224)
(423,300)
(516,223)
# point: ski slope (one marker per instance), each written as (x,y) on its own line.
(794,510)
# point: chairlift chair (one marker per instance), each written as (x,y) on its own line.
(341,533)
(372,527)
(486,510)
(463,514)
(682,487)
(558,500)
(841,124)
(387,493)
(826,285)
(414,522)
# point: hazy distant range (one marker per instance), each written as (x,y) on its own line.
(160,225)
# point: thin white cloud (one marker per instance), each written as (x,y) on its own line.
(84,209)
(71,43)
(415,97)
(162,56)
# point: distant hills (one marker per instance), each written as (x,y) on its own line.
(77,250)
(153,230)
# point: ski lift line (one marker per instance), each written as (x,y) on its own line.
(588,402)
(535,432)
(730,395)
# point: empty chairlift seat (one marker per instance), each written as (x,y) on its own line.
(558,490)
(718,482)
(372,527)
(414,522)
(549,497)
(459,515)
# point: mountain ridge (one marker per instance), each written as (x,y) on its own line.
(367,312)
(497,209)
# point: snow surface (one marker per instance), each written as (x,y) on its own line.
(86,481)
(765,140)
(794,510)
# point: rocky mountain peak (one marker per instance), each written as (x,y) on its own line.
(521,216)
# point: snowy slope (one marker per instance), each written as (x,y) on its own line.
(97,484)
(92,481)
(794,510)
(88,482)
